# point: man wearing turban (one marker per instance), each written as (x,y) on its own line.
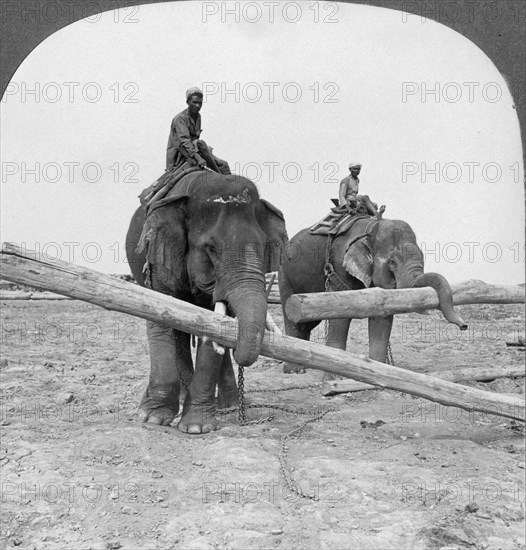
(349,187)
(183,141)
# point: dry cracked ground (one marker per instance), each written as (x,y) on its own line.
(383,470)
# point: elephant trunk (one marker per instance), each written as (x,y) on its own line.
(250,309)
(445,296)
(240,282)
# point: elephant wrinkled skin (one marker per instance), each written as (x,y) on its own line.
(212,244)
(386,257)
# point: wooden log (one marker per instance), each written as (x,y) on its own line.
(332,387)
(110,293)
(378,302)
(271,280)
(26,295)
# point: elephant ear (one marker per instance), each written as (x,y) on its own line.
(272,223)
(163,240)
(358,261)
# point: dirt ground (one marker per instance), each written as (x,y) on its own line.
(385,470)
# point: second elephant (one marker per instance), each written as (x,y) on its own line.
(373,253)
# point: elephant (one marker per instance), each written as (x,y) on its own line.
(372,253)
(210,243)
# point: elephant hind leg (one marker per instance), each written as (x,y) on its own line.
(302,331)
(297,330)
(379,334)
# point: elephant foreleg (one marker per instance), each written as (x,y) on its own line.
(199,408)
(170,361)
(379,334)
(337,333)
(337,338)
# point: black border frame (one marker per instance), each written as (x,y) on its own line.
(503,39)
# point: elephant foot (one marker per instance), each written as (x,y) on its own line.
(159,405)
(228,399)
(198,419)
(292,368)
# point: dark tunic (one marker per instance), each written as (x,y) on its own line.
(184,130)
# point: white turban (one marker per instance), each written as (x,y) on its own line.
(355,165)
(193,91)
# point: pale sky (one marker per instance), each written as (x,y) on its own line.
(108,89)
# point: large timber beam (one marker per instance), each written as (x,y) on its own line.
(378,302)
(481,374)
(111,293)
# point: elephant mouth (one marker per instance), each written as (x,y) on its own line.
(221,308)
(205,285)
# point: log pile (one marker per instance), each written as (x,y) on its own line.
(85,284)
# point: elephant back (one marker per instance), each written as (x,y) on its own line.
(180,190)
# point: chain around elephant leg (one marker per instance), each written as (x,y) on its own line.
(227,390)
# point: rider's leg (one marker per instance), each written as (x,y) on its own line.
(204,151)
(372,208)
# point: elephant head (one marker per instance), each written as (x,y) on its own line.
(212,242)
(386,255)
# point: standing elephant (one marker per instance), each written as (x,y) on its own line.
(372,253)
(210,244)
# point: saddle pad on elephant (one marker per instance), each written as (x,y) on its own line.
(182,189)
(162,187)
(336,223)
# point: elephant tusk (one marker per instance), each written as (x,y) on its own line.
(218,348)
(220,308)
(271,325)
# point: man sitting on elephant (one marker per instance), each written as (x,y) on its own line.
(349,198)
(184,143)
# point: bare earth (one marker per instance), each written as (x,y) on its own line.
(386,470)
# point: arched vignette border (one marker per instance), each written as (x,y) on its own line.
(503,38)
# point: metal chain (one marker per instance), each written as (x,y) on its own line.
(282,455)
(242,408)
(242,415)
(293,486)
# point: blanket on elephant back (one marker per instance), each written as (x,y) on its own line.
(164,189)
(337,222)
